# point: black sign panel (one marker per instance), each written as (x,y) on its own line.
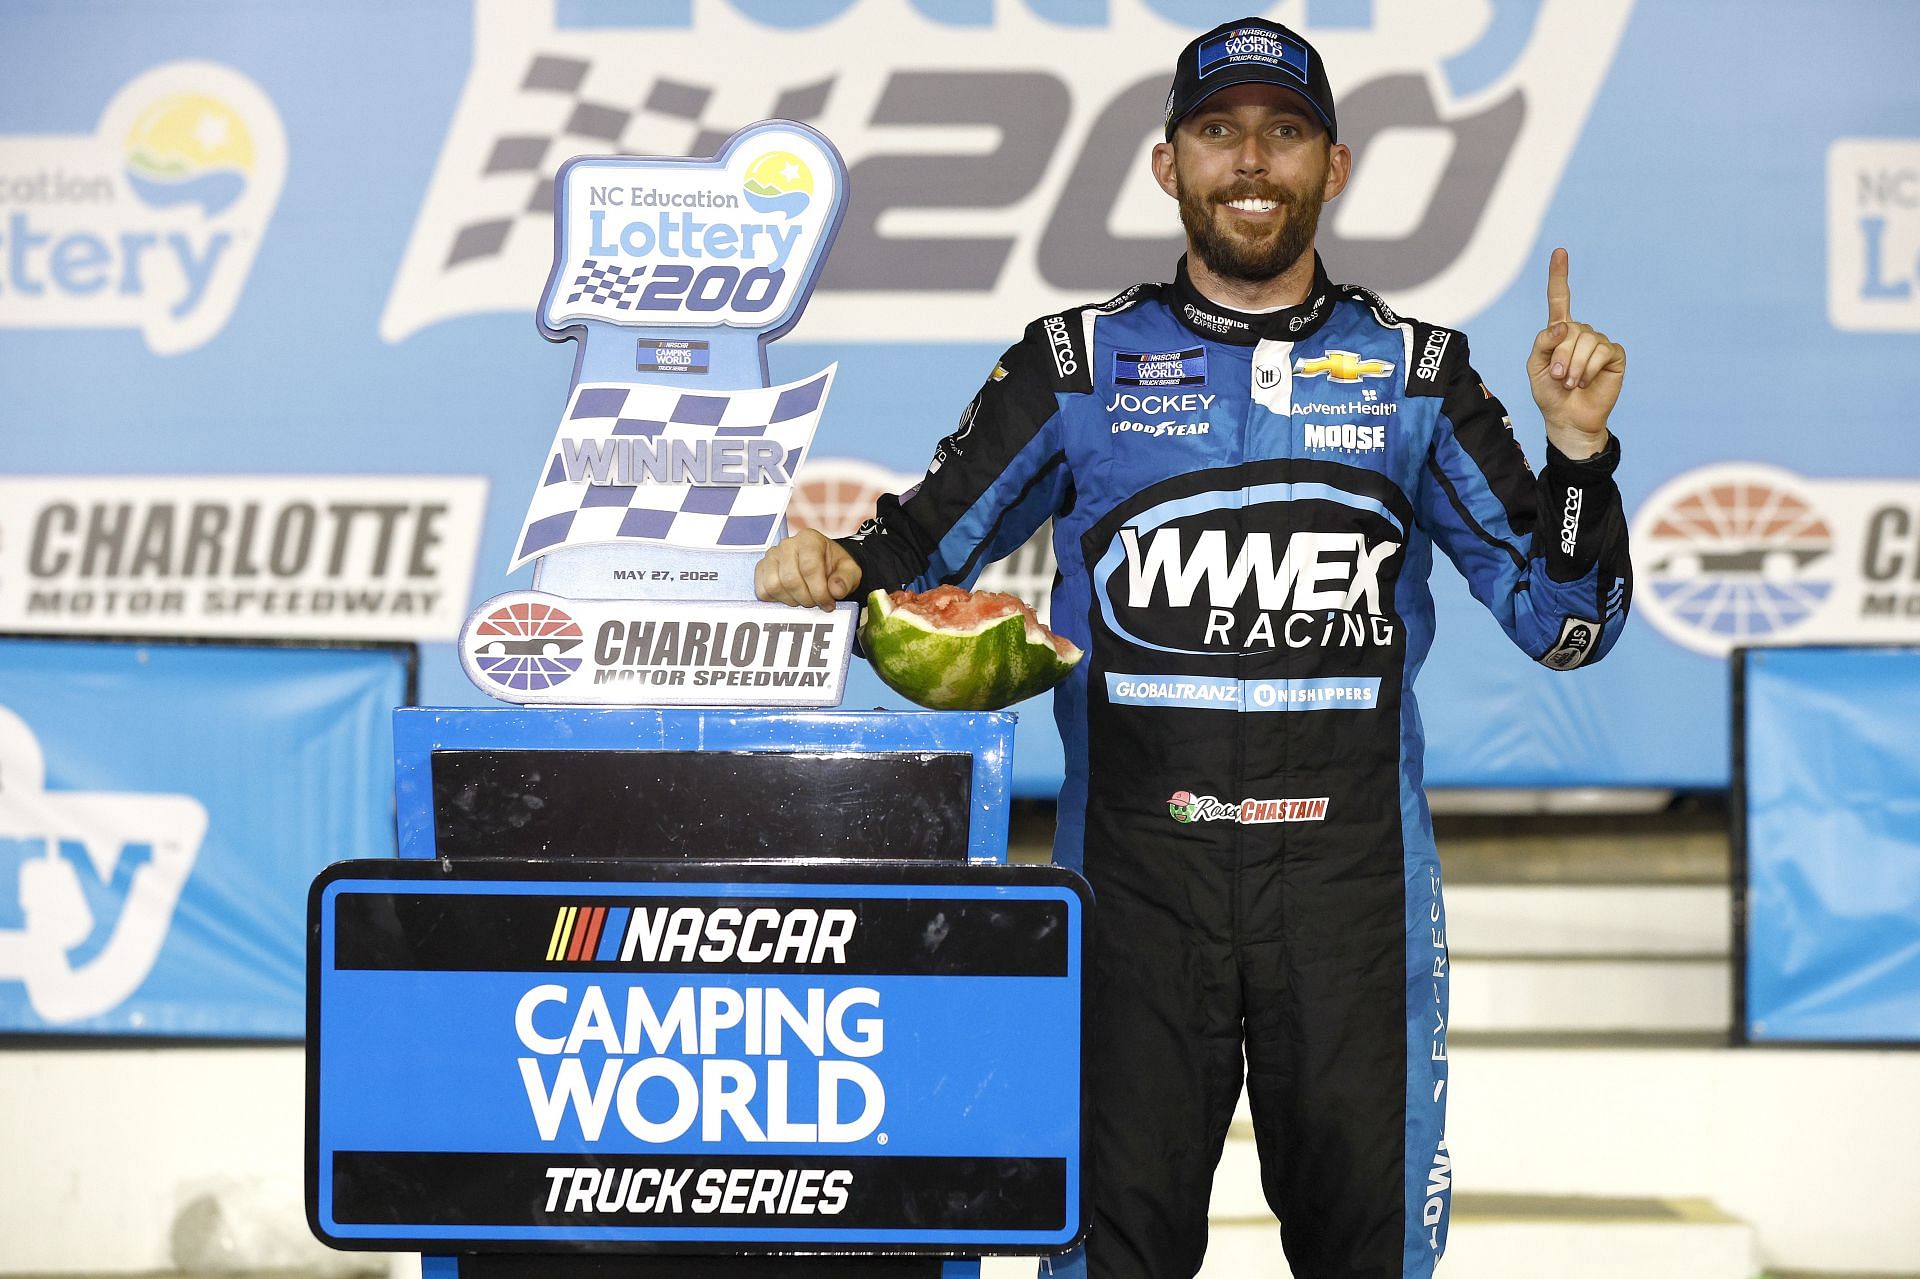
(710,805)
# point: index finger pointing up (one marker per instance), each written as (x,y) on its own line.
(1559,296)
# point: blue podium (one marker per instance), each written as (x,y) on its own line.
(723,993)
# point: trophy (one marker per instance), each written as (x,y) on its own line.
(674,459)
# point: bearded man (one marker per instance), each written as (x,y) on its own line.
(1247,471)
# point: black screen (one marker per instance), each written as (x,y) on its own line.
(911,805)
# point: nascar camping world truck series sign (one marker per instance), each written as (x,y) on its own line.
(722,1058)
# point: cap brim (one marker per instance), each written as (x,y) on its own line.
(1251,73)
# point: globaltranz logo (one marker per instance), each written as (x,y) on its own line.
(151,221)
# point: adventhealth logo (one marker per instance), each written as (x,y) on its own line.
(88,883)
(152,220)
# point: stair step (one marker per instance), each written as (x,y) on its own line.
(1611,993)
(1677,920)
(1525,1237)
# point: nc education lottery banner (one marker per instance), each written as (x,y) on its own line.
(224,279)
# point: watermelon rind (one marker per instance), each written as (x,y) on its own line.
(980,668)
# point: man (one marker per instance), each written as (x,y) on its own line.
(1247,471)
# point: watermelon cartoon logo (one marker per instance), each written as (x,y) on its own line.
(779,182)
(1733,555)
(189,148)
(1180,806)
(89,881)
(524,646)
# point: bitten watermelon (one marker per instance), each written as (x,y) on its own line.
(955,650)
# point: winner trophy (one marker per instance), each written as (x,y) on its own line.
(681,971)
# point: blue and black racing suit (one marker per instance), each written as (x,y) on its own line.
(1244,511)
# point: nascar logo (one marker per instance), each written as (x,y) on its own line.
(689,934)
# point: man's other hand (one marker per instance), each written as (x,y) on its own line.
(1574,370)
(808,570)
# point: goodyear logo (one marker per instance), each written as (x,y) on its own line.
(152,220)
(1341,366)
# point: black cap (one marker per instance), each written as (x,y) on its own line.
(1250,51)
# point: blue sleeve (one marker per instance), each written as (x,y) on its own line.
(992,482)
(1546,555)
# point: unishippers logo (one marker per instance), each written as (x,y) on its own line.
(1732,555)
(1873,234)
(89,882)
(524,646)
(152,220)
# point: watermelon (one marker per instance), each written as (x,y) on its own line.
(955,650)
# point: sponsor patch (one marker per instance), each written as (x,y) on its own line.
(1343,437)
(1577,639)
(1427,368)
(1162,368)
(1060,341)
(1341,366)
(1186,807)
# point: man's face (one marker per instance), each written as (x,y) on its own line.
(1251,167)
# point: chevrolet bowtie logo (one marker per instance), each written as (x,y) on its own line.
(1341,366)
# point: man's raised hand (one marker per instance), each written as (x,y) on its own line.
(1575,371)
(807,570)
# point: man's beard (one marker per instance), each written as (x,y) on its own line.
(1259,252)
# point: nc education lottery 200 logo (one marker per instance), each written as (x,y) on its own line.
(152,220)
(735,240)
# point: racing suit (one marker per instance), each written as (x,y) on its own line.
(1244,509)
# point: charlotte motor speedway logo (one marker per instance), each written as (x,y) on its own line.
(1742,554)
(527,646)
(1056,205)
(89,881)
(152,220)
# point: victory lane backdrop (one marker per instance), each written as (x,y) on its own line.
(351,292)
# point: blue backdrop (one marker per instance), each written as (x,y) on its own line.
(1737,182)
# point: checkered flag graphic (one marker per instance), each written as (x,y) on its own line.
(603,284)
(671,117)
(614,471)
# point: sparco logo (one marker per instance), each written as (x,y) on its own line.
(1062,343)
(1507,88)
(1186,807)
(1428,369)
(1186,577)
(1570,521)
